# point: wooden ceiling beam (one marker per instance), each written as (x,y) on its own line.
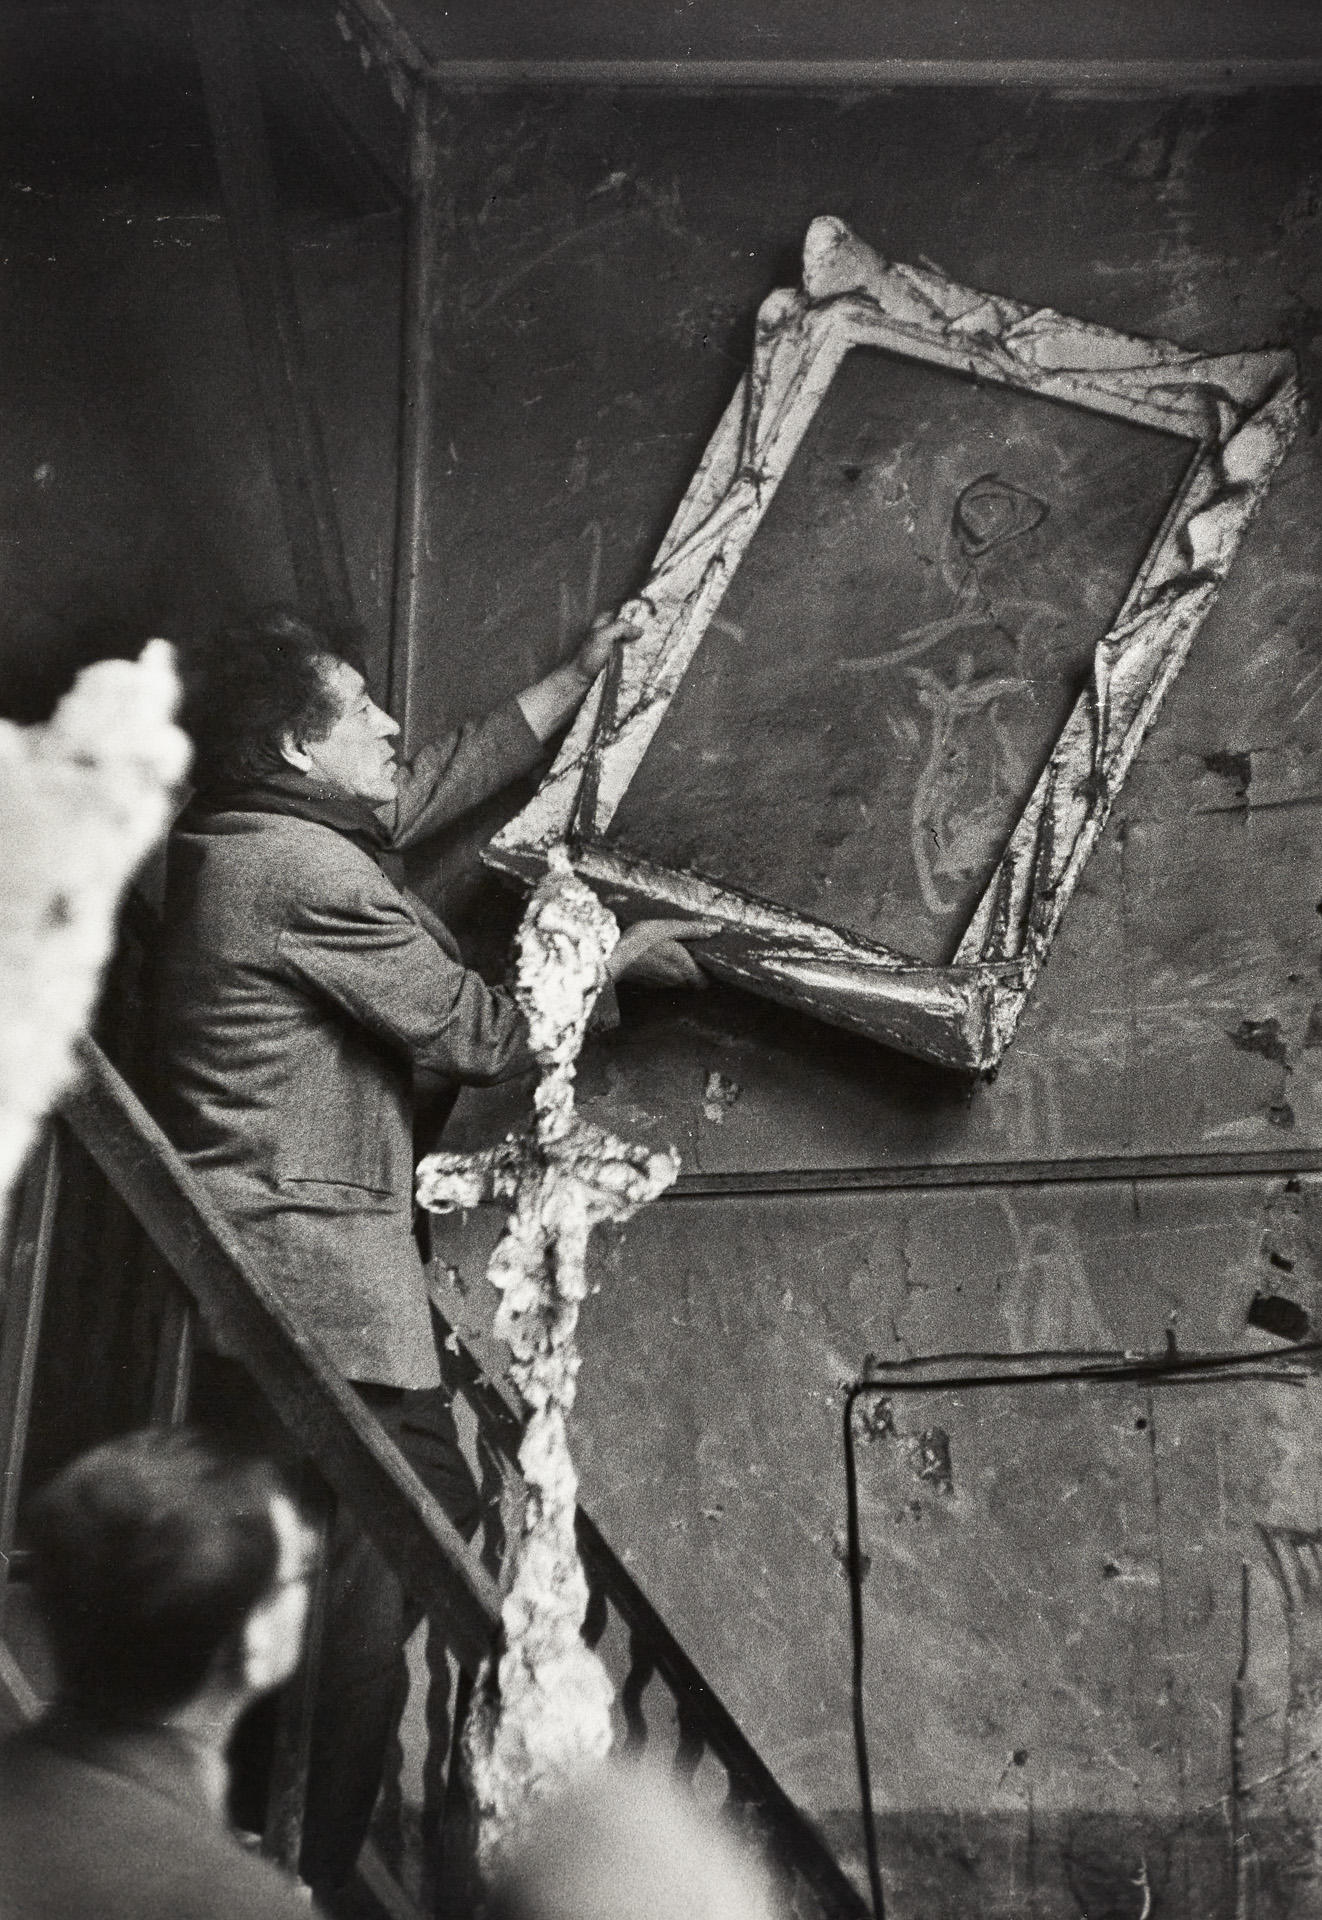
(395,33)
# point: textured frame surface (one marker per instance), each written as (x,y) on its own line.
(1237,410)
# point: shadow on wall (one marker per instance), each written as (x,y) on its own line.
(1024,1865)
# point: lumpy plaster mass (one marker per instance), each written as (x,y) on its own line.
(82,798)
(545,1712)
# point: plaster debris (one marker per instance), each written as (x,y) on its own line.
(81,801)
(546,1711)
(719,1094)
(932,1454)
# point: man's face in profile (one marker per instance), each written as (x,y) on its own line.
(357,756)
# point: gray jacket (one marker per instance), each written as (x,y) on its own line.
(99,1824)
(299,989)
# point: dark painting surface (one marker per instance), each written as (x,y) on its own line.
(903,640)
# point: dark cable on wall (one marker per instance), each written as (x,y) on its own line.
(1063,1368)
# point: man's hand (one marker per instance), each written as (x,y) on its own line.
(608,630)
(651,953)
(547,705)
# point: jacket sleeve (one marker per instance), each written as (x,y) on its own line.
(367,953)
(605,1014)
(458,770)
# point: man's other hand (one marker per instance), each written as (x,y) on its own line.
(651,953)
(608,630)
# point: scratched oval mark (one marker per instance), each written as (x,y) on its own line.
(989,511)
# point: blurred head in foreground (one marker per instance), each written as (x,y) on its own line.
(168,1570)
(623,1843)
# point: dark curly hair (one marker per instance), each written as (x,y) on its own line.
(247,684)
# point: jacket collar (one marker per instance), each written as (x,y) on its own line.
(156,1756)
(297,798)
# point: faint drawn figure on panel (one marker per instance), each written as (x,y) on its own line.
(959,815)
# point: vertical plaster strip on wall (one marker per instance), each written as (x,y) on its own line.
(546,1711)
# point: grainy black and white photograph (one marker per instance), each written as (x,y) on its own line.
(660,960)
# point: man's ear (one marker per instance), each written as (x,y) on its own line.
(268,1650)
(295,753)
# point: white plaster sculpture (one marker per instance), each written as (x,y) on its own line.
(549,1711)
(82,799)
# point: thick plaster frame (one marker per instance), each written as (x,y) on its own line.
(1241,409)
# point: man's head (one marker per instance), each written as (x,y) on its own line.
(276,694)
(355,756)
(163,1566)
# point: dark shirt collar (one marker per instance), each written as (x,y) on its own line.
(296,797)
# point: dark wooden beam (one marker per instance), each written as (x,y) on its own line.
(1161,77)
(1282,1163)
(405,38)
(416,401)
(316,1404)
(222,40)
(24,1301)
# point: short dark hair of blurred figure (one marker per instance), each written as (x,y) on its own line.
(151,1554)
(624,1843)
(248,684)
(172,1576)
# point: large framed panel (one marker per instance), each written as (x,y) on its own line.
(940,563)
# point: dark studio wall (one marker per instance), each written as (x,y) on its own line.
(136,494)
(1056,1608)
(1064,1647)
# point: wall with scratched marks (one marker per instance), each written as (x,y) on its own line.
(1063,1647)
(1093,1616)
(1078,1700)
